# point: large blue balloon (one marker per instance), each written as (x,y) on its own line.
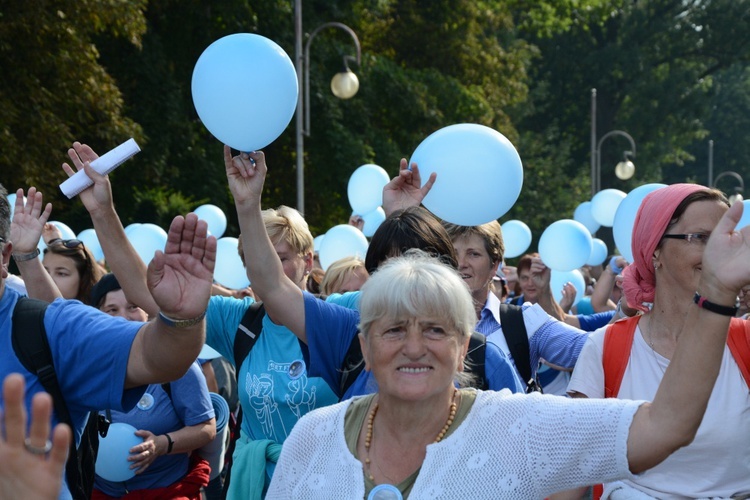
(373,220)
(517,238)
(479,173)
(245,90)
(147,239)
(622,230)
(114,449)
(583,215)
(604,206)
(342,241)
(91,240)
(565,245)
(365,188)
(229,270)
(559,278)
(599,252)
(214,217)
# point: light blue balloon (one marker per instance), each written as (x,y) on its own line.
(599,252)
(317,241)
(479,173)
(342,241)
(229,270)
(559,278)
(147,239)
(365,188)
(604,206)
(583,215)
(91,240)
(131,227)
(114,449)
(67,233)
(517,238)
(214,217)
(622,230)
(373,220)
(245,90)
(565,245)
(745,219)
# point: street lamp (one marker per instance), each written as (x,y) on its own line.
(738,190)
(344,85)
(624,169)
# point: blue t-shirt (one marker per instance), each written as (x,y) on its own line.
(90,351)
(592,322)
(273,384)
(189,405)
(331,328)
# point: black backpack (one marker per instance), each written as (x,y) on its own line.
(514,331)
(32,348)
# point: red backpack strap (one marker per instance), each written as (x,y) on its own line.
(618,341)
(739,345)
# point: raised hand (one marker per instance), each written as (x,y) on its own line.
(540,273)
(725,269)
(98,196)
(28,221)
(180,278)
(24,474)
(406,189)
(569,293)
(246,173)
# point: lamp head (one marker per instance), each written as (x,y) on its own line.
(345,84)
(625,170)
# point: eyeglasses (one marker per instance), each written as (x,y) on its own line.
(701,238)
(66,243)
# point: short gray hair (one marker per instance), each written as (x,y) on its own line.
(416,284)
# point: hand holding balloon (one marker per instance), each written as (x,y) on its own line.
(142,455)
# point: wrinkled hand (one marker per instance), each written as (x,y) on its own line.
(142,455)
(569,293)
(511,273)
(725,267)
(406,189)
(99,196)
(29,220)
(246,173)
(22,474)
(180,278)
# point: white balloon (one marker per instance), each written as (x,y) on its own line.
(342,241)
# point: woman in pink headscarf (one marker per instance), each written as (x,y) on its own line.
(627,360)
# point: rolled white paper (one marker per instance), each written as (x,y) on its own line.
(104,165)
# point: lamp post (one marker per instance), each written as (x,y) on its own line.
(738,190)
(624,169)
(344,85)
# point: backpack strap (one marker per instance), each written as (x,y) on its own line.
(514,330)
(739,345)
(618,341)
(31,346)
(476,357)
(352,366)
(247,334)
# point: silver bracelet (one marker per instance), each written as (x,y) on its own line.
(181,323)
(23,257)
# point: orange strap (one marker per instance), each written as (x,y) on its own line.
(618,340)
(739,345)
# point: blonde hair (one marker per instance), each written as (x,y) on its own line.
(338,272)
(491,234)
(284,224)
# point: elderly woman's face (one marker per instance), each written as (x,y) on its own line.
(413,359)
(678,261)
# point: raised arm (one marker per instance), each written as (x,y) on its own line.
(283,300)
(672,419)
(541,276)
(406,189)
(600,300)
(179,279)
(121,257)
(25,231)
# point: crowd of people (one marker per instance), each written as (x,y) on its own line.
(418,371)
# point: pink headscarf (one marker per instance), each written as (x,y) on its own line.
(650,224)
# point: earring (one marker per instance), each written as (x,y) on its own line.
(656,266)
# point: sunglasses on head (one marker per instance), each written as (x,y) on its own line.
(71,244)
